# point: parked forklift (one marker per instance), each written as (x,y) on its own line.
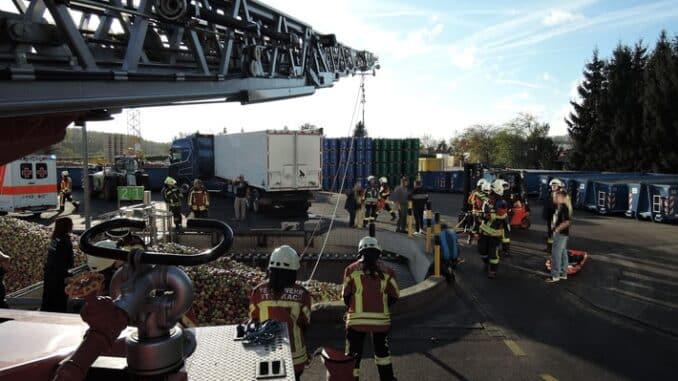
(125,171)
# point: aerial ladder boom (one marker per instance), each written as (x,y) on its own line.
(62,61)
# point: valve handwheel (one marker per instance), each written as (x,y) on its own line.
(85,284)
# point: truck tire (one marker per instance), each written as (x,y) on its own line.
(256,206)
(109,190)
(93,192)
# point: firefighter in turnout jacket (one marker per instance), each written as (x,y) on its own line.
(503,207)
(476,200)
(369,290)
(492,227)
(66,191)
(281,298)
(371,200)
(384,193)
(172,196)
(550,207)
(199,200)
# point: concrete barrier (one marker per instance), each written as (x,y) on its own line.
(412,300)
(419,261)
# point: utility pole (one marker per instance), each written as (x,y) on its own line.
(134,130)
(85,173)
(362,101)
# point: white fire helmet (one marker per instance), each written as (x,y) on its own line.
(284,258)
(64,173)
(98,263)
(481,182)
(486,187)
(499,186)
(557,183)
(170,181)
(370,178)
(368,243)
(383,180)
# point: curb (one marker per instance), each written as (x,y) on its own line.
(412,300)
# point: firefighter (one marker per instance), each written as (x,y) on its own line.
(503,208)
(476,200)
(491,230)
(199,200)
(59,262)
(369,291)
(66,191)
(371,200)
(281,298)
(384,193)
(172,196)
(549,209)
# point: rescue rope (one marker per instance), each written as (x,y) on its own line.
(341,187)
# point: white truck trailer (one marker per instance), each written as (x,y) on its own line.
(282,167)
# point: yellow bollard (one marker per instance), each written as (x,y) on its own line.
(436,252)
(410,219)
(429,230)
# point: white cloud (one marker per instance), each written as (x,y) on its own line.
(515,82)
(465,58)
(559,16)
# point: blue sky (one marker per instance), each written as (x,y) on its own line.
(445,65)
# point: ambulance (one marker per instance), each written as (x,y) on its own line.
(28,185)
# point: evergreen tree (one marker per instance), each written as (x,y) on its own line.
(583,121)
(660,136)
(621,116)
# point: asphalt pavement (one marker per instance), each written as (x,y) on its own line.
(616,320)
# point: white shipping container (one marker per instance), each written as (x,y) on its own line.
(271,160)
(28,184)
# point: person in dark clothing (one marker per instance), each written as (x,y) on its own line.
(400,196)
(59,261)
(242,192)
(353,203)
(419,198)
(4,265)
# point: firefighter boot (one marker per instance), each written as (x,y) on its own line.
(393,216)
(386,372)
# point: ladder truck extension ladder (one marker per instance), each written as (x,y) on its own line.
(68,60)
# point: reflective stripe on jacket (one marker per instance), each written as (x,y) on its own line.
(371,196)
(292,307)
(368,297)
(171,196)
(67,185)
(494,222)
(199,200)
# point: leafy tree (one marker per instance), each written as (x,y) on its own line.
(359,131)
(478,143)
